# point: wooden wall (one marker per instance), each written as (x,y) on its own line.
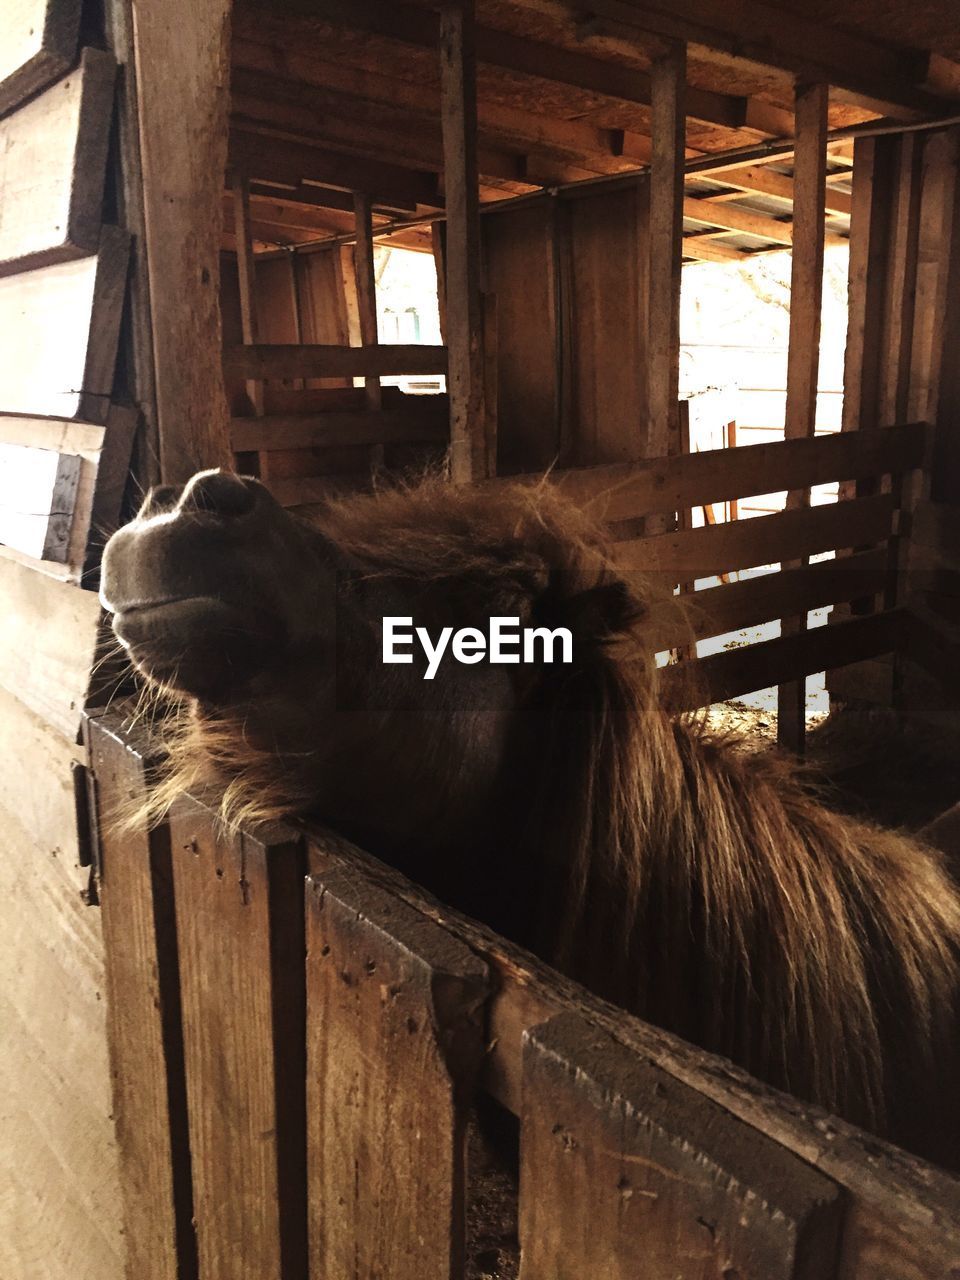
(62,280)
(570,279)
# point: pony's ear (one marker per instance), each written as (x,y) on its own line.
(597,614)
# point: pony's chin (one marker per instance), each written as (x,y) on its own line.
(200,646)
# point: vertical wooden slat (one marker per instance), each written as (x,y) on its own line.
(627,1172)
(803,360)
(143,1013)
(365,278)
(491,397)
(247,277)
(668,121)
(240,932)
(464,302)
(395,1018)
(182,77)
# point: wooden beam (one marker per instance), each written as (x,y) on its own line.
(465,373)
(264,158)
(247,276)
(803,357)
(707,249)
(317,360)
(665,239)
(182,60)
(366,281)
(754,224)
(863,72)
(767,182)
(426,424)
(497,48)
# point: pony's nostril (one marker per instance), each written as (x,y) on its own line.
(219,492)
(161,498)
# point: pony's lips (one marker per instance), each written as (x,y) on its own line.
(196,643)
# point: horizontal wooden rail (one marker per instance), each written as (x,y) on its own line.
(387,426)
(744,544)
(767,596)
(898,1208)
(624,491)
(758,666)
(282,360)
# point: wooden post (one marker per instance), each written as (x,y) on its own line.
(803,361)
(395,1045)
(182,71)
(464,302)
(365,279)
(664,241)
(628,1172)
(241,946)
(247,277)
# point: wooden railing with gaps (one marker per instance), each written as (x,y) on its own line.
(297,1034)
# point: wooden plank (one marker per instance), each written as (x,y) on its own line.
(746,544)
(246,276)
(622,492)
(803,354)
(182,77)
(604,368)
(319,360)
(395,1047)
(521,270)
(464,302)
(241,945)
(61,1204)
(365,277)
(665,236)
(704,249)
(53,155)
(544,61)
(38,496)
(863,71)
(772,662)
(64,370)
(626,1171)
(869,227)
(903,1213)
(143,1012)
(763,597)
(762,180)
(48,635)
(359,426)
(297,161)
(39,44)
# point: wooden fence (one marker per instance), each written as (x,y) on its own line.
(297,1035)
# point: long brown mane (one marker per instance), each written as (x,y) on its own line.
(702,887)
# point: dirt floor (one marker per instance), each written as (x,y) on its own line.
(870,767)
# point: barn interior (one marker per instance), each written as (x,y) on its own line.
(207,226)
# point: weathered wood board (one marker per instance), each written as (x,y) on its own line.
(143,1012)
(48,635)
(102,454)
(60,1192)
(39,44)
(240,941)
(626,1172)
(38,497)
(521,265)
(60,327)
(53,155)
(395,1042)
(609,290)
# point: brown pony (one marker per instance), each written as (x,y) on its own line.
(704,888)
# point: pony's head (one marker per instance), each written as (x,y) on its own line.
(269,626)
